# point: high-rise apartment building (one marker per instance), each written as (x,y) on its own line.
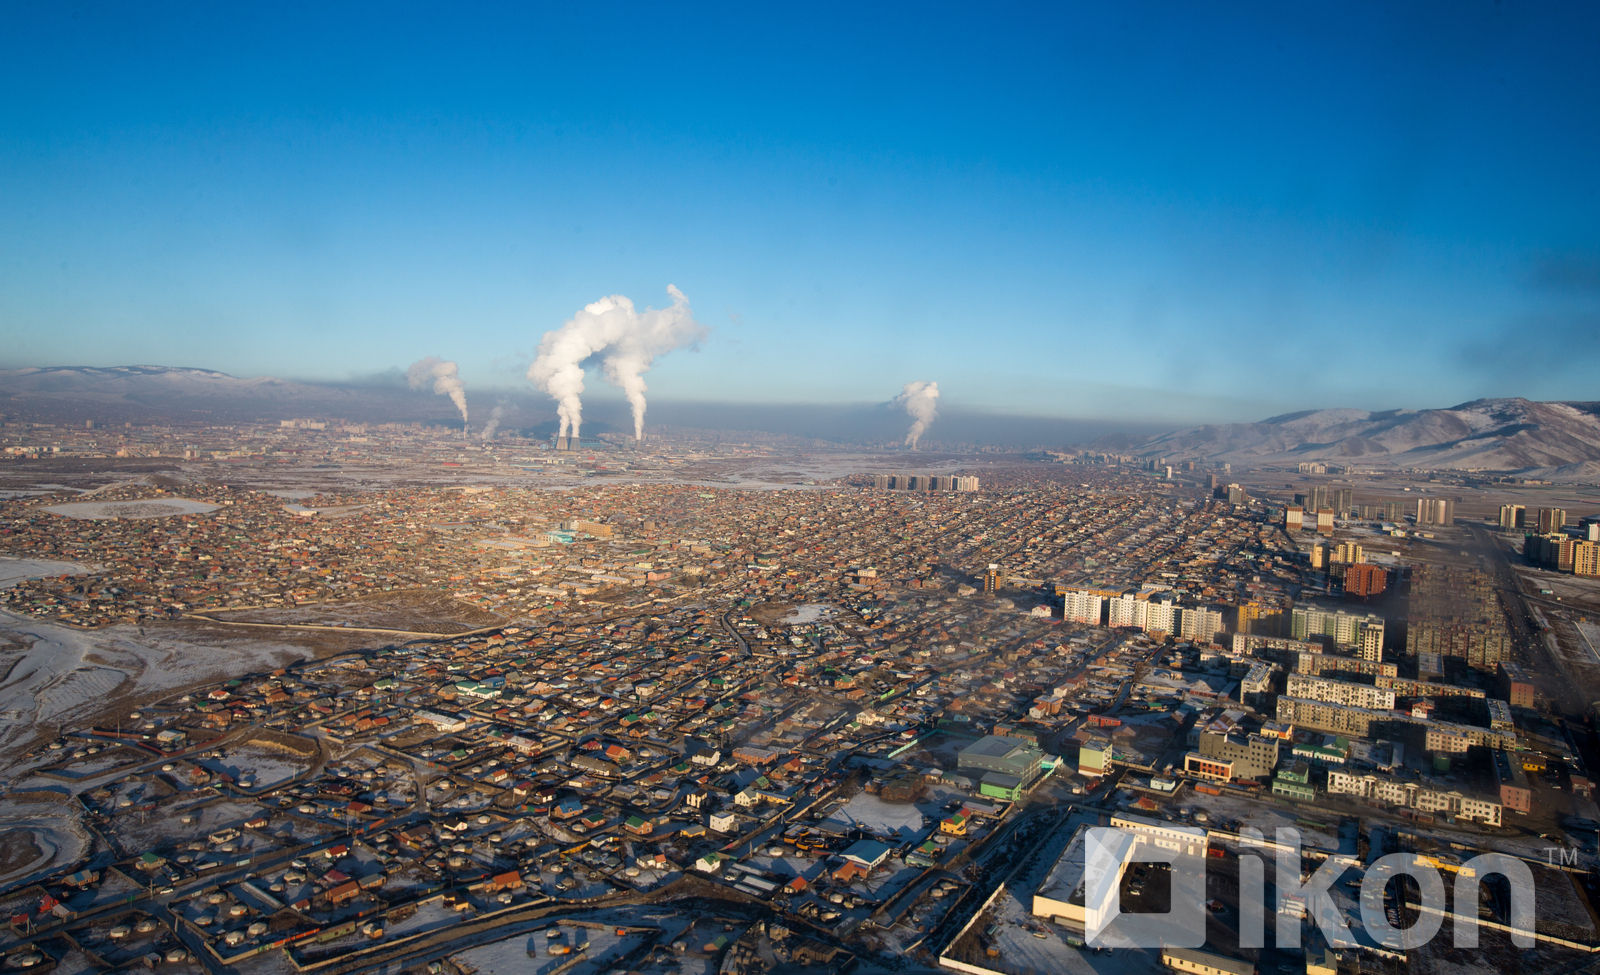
(1346,552)
(925,482)
(1326,496)
(1586,558)
(1161,616)
(1436,511)
(1364,580)
(1254,617)
(1552,520)
(1359,633)
(1552,551)
(1513,516)
(1199,624)
(1083,606)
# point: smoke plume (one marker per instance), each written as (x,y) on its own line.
(493,426)
(445,381)
(626,343)
(921,401)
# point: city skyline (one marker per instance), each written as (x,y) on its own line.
(1175,216)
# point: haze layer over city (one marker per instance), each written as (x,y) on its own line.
(903,489)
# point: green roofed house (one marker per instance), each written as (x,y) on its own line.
(472,688)
(1294,782)
(925,855)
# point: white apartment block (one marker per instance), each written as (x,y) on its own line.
(1083,606)
(1199,624)
(1258,680)
(1128,610)
(1413,795)
(1343,692)
(1161,616)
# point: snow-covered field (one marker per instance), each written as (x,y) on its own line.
(1589,632)
(145,508)
(810,613)
(13,571)
(66,675)
(903,819)
(513,955)
(329,511)
(52,823)
(256,766)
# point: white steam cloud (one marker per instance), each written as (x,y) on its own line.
(625,341)
(921,401)
(446,382)
(493,426)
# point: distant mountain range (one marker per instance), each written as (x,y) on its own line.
(1560,441)
(145,394)
(148,394)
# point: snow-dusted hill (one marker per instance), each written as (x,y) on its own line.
(1559,440)
(152,393)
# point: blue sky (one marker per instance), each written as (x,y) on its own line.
(1173,211)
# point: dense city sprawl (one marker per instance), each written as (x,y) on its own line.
(666,722)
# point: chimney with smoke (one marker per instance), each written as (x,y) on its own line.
(445,380)
(921,402)
(625,342)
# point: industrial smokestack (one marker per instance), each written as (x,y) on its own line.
(921,402)
(445,381)
(626,343)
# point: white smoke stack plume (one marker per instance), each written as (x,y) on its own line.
(446,382)
(626,343)
(921,402)
(493,426)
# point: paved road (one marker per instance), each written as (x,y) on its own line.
(1575,691)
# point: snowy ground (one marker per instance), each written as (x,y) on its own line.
(430,916)
(66,676)
(810,613)
(52,824)
(531,952)
(13,571)
(331,511)
(145,508)
(902,819)
(1268,819)
(258,766)
(1022,953)
(1589,632)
